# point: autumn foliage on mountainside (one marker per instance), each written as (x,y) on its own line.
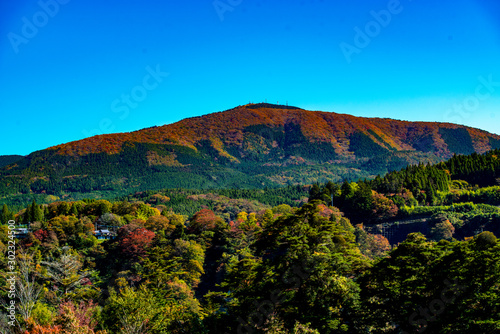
(228,128)
(251,146)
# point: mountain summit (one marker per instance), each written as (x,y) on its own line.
(254,145)
(265,128)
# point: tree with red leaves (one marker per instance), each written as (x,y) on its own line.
(134,244)
(48,239)
(204,220)
(41,235)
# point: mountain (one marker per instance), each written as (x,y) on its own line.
(250,146)
(9,159)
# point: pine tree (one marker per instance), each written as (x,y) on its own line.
(5,216)
(36,212)
(27,215)
(66,272)
(315,192)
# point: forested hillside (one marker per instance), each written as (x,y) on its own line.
(248,147)
(264,261)
(9,159)
(461,195)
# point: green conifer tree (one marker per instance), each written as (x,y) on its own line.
(4,216)
(27,215)
(36,212)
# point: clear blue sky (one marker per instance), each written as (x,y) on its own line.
(71,69)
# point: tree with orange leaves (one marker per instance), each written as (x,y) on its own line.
(135,243)
(204,220)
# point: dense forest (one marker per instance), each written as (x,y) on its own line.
(297,259)
(255,146)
